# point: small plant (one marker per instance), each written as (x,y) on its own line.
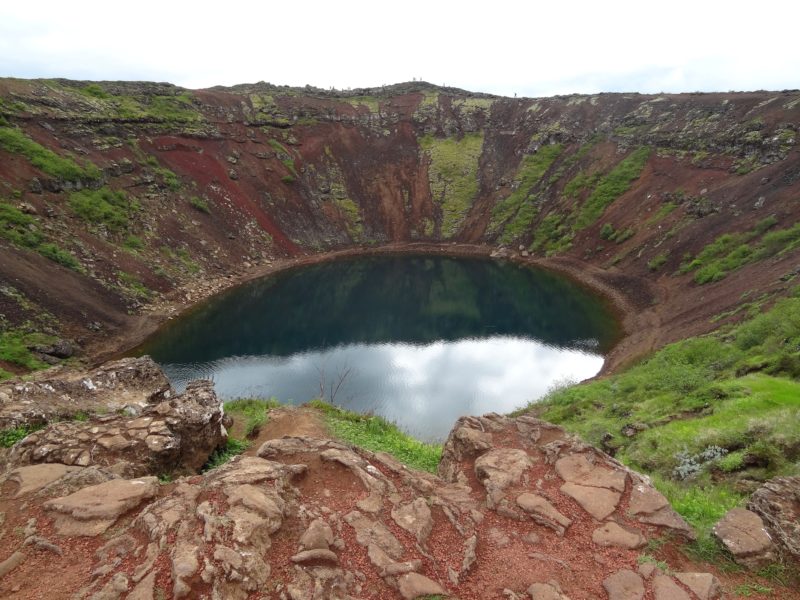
(133,242)
(233,447)
(9,437)
(607,231)
(253,411)
(104,206)
(691,464)
(748,589)
(80,416)
(199,204)
(287,179)
(657,262)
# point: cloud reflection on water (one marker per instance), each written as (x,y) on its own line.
(423,388)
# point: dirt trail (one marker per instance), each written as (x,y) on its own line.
(289,421)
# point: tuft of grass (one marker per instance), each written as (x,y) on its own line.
(200,204)
(15,141)
(104,206)
(379,435)
(133,242)
(9,437)
(233,447)
(453,176)
(515,213)
(253,411)
(657,262)
(612,186)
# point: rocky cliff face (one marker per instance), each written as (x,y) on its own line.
(117,198)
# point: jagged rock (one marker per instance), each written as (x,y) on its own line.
(114,589)
(612,534)
(92,510)
(319,535)
(374,532)
(415,517)
(546,591)
(598,502)
(704,585)
(624,585)
(664,588)
(544,513)
(414,585)
(743,533)
(35,477)
(777,502)
(652,508)
(127,383)
(174,435)
(577,469)
(497,469)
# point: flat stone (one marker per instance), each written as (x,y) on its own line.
(544,513)
(319,535)
(371,504)
(664,588)
(546,591)
(93,509)
(598,502)
(414,585)
(415,517)
(743,533)
(144,590)
(497,469)
(35,477)
(667,517)
(11,563)
(315,556)
(373,532)
(704,585)
(612,534)
(576,468)
(624,585)
(645,500)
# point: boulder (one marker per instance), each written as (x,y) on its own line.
(743,533)
(173,435)
(612,534)
(704,585)
(598,502)
(544,513)
(624,585)
(777,502)
(414,585)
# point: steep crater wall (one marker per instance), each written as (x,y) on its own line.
(122,202)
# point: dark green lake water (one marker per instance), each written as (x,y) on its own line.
(420,340)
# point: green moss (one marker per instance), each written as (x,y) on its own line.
(378,435)
(104,206)
(453,176)
(199,204)
(731,251)
(13,140)
(22,230)
(612,186)
(352,217)
(514,214)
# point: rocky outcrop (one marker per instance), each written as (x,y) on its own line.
(175,435)
(743,533)
(311,518)
(777,502)
(129,385)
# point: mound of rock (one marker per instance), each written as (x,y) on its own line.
(777,502)
(175,435)
(130,384)
(521,510)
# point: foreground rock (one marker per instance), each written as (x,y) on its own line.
(309,518)
(743,533)
(130,385)
(777,502)
(175,435)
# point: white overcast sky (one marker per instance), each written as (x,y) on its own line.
(529,48)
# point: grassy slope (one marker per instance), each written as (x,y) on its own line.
(706,416)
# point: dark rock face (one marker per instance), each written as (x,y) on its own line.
(173,435)
(777,502)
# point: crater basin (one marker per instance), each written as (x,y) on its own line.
(419,340)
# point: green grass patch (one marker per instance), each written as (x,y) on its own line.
(219,457)
(379,435)
(199,204)
(252,411)
(662,212)
(9,437)
(352,216)
(580,183)
(15,347)
(22,230)
(133,285)
(657,262)
(612,186)
(515,213)
(732,251)
(553,235)
(111,208)
(15,141)
(453,176)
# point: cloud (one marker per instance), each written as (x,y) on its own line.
(504,47)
